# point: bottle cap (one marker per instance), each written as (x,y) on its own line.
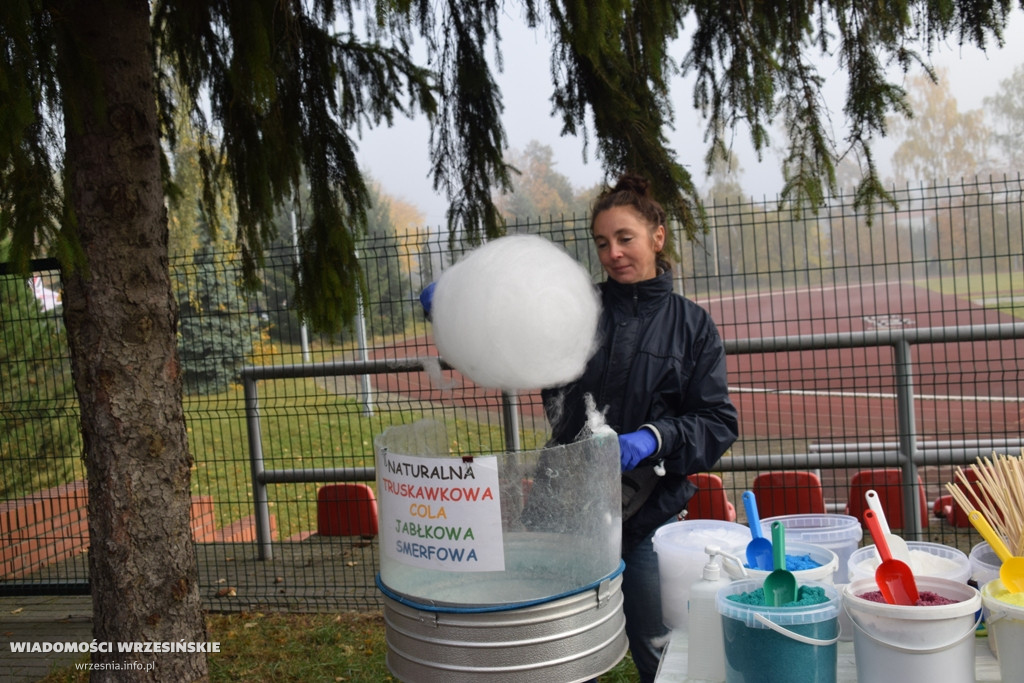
(713,567)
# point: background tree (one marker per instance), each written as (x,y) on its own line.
(939,142)
(216,337)
(710,254)
(543,200)
(387,307)
(409,224)
(724,172)
(1006,108)
(36,392)
(278,275)
(213,335)
(82,177)
(185,193)
(538,190)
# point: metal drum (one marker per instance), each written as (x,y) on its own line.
(571,638)
(503,567)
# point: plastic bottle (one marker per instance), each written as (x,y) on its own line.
(706,649)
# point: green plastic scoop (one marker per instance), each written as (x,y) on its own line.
(780,585)
(1011,572)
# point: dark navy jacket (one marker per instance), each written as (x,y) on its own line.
(659,362)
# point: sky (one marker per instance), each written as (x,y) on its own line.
(398,157)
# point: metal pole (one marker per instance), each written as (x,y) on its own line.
(302,325)
(510,420)
(904,372)
(714,245)
(259,487)
(365,388)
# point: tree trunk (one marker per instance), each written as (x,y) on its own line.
(122,320)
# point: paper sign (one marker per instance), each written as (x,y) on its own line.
(441,513)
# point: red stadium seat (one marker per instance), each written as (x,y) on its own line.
(788,493)
(951,510)
(346,510)
(887,482)
(710,501)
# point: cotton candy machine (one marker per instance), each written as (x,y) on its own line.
(499,566)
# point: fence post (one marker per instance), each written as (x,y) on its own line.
(298,261)
(510,420)
(365,386)
(259,487)
(907,429)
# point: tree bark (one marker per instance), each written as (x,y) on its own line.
(122,321)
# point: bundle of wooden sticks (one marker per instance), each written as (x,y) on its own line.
(995,487)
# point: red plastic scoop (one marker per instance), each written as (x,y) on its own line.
(894,578)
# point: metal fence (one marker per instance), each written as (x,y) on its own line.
(891,340)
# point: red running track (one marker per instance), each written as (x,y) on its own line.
(963,390)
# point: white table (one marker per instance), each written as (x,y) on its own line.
(673,662)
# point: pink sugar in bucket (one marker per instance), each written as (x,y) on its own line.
(914,644)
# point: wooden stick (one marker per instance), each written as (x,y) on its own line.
(965,501)
(982,497)
(997,492)
(988,483)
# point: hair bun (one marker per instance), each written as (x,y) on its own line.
(631,182)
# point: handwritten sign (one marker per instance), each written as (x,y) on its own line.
(441,513)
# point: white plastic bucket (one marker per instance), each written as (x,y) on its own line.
(1005,622)
(985,564)
(926,559)
(824,573)
(911,644)
(795,644)
(839,533)
(681,559)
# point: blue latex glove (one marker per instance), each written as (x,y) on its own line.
(427,298)
(636,446)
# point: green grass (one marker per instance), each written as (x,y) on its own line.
(306,648)
(303,425)
(1001,291)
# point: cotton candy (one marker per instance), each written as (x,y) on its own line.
(517,313)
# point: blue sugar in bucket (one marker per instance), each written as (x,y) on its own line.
(839,533)
(793,644)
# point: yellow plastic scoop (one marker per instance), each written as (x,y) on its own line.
(1012,570)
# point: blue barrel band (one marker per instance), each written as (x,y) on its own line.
(452,609)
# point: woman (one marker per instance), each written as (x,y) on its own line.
(659,375)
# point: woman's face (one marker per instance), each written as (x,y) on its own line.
(626,244)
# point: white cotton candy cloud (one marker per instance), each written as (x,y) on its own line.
(517,313)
